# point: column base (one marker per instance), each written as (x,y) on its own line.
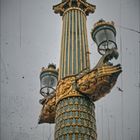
(75,119)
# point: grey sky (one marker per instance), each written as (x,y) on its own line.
(30,39)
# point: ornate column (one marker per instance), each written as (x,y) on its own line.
(70,102)
(75,116)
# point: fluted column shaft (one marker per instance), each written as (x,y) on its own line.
(74,44)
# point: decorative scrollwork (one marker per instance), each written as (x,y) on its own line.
(94,84)
(66,88)
(98,82)
(47,114)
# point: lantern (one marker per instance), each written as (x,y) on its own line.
(104,35)
(48,80)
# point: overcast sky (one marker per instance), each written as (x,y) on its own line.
(30,39)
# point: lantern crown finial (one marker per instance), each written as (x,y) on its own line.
(103,22)
(51,66)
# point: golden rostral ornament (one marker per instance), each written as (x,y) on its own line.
(70,105)
(94,83)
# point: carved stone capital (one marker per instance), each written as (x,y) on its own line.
(66,4)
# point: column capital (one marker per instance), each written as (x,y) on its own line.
(66,4)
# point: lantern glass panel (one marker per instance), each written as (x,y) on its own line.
(105,39)
(48,85)
(110,35)
(100,36)
(49,81)
(45,91)
(105,36)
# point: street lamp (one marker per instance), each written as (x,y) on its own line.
(104,35)
(70,103)
(48,80)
